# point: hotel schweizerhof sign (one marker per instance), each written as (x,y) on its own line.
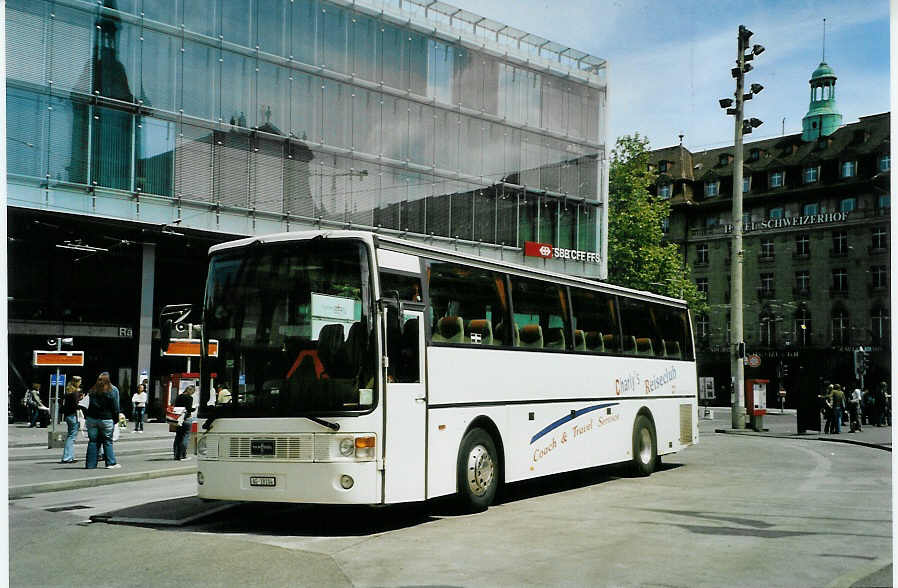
(792,222)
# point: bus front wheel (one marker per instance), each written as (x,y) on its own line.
(478,470)
(645,446)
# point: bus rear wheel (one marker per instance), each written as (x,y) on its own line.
(645,446)
(478,470)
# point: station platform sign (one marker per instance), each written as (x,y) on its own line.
(58,358)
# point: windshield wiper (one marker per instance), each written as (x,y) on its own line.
(328,424)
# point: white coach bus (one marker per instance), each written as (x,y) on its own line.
(366,369)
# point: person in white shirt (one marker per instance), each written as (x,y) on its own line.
(854,409)
(139,406)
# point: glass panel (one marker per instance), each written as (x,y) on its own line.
(303,45)
(25,56)
(440,67)
(267,174)
(490,73)
(364,32)
(470,143)
(26,133)
(540,314)
(366,121)
(199,80)
(273,22)
(117,68)
(468,78)
(306,114)
(158,70)
(641,328)
(493,151)
(193,164)
(161,11)
(415,62)
(273,92)
(402,347)
(332,31)
(71,50)
(155,156)
(484,215)
(531,159)
(298,179)
(69,125)
(293,323)
(463,213)
(337,115)
(231,171)
(576,111)
(595,321)
(391,41)
(506,217)
(111,148)
(446,148)
(237,75)
(553,105)
(468,305)
(237,21)
(202,17)
(421,128)
(437,213)
(395,128)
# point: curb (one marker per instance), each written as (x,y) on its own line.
(84,442)
(807,438)
(29,489)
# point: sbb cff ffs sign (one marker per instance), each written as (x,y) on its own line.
(547,251)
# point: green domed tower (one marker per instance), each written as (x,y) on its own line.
(822,118)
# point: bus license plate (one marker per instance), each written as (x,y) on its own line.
(267,481)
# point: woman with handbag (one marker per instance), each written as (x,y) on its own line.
(70,413)
(102,414)
(182,434)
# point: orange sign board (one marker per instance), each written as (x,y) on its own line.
(190,348)
(58,358)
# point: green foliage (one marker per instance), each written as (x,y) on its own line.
(637,258)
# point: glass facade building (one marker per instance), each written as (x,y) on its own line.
(254,116)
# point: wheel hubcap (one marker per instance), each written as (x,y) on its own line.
(480,470)
(645,446)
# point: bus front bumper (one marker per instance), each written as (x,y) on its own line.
(318,482)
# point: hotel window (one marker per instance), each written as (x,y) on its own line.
(802,327)
(810,208)
(701,254)
(848,204)
(702,326)
(776,179)
(810,174)
(802,244)
(879,324)
(840,280)
(883,202)
(775,212)
(662,166)
(701,284)
(711,189)
(724,159)
(767,248)
(766,288)
(665,224)
(754,154)
(664,191)
(849,168)
(803,281)
(840,242)
(880,238)
(885,162)
(880,276)
(841,327)
(746,184)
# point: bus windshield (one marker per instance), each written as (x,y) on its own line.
(294,324)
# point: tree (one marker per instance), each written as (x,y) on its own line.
(637,258)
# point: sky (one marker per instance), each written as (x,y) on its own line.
(670,62)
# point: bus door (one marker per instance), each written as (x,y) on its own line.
(405,404)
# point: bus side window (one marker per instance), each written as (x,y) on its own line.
(408,286)
(595,321)
(540,313)
(467,305)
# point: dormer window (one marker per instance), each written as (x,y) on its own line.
(662,166)
(885,162)
(711,188)
(724,159)
(810,174)
(754,154)
(849,168)
(776,179)
(746,184)
(664,191)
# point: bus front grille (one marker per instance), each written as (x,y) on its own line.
(686,413)
(295,447)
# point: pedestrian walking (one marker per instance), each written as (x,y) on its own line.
(102,414)
(182,434)
(826,406)
(854,410)
(70,414)
(868,408)
(33,404)
(138,407)
(838,402)
(884,405)
(224,395)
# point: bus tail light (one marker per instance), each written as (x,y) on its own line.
(364,447)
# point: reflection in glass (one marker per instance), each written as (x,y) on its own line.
(155,156)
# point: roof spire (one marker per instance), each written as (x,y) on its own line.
(824,41)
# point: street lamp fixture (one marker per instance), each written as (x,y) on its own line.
(725,102)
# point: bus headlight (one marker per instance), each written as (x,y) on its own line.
(201,447)
(347,446)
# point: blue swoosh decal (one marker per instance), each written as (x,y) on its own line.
(570,417)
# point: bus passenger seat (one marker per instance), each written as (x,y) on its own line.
(532,336)
(673,349)
(449,329)
(595,341)
(663,351)
(479,332)
(330,349)
(610,343)
(628,344)
(579,340)
(555,338)
(644,346)
(356,342)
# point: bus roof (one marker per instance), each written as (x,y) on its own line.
(421,249)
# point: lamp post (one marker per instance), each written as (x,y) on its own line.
(737,352)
